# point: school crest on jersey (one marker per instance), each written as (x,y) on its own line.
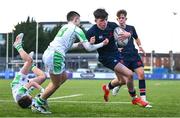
(101,37)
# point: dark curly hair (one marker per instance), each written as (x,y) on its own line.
(25,101)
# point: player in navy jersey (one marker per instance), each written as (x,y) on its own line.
(110,57)
(131,58)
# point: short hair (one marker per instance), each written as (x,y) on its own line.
(71,15)
(100,14)
(122,11)
(25,101)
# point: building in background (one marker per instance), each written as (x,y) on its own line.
(48,26)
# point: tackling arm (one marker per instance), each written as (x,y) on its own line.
(89,47)
(92,47)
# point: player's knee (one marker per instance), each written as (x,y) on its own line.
(140,75)
(122,82)
(130,75)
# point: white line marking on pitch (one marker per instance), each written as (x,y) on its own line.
(53,98)
(6,101)
(92,102)
(69,96)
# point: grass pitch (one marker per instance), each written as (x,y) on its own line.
(84,98)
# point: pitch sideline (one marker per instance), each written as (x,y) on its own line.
(89,102)
(69,96)
(51,98)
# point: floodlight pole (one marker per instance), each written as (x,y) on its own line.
(12,49)
(37,43)
(7,47)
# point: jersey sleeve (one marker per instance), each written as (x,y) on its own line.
(80,34)
(91,47)
(134,35)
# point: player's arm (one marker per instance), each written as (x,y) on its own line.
(33,84)
(138,42)
(77,45)
(41,76)
(124,35)
(88,46)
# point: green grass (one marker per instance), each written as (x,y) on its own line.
(164,96)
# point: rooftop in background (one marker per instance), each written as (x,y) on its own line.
(50,25)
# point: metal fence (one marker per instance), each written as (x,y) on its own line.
(156,63)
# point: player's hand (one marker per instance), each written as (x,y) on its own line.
(142,50)
(124,35)
(92,40)
(106,41)
(120,49)
(80,45)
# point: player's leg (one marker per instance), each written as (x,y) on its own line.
(127,74)
(138,67)
(116,89)
(142,84)
(54,62)
(122,72)
(110,86)
(109,63)
(56,82)
(28,61)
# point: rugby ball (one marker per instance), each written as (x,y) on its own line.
(117,32)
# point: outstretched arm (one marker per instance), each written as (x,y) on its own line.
(91,47)
(138,42)
(88,46)
(77,45)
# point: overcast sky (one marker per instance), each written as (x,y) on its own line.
(157,22)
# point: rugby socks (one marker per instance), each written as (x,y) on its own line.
(18,43)
(142,89)
(132,93)
(110,86)
(19,47)
(40,101)
(32,67)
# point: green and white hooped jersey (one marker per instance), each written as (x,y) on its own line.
(54,56)
(65,38)
(17,86)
